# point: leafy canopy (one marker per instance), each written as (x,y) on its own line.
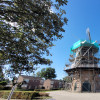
(47,73)
(1,75)
(27,31)
(68,79)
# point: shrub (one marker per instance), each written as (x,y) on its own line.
(3,83)
(56,89)
(62,88)
(1,94)
(19,85)
(35,94)
(5,95)
(1,87)
(18,95)
(41,89)
(7,88)
(23,95)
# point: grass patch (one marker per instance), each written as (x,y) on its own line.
(41,98)
(28,91)
(5,90)
(49,91)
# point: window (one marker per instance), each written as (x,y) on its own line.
(52,82)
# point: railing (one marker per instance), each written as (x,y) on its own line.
(83,66)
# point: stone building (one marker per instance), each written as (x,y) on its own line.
(53,84)
(84,68)
(30,82)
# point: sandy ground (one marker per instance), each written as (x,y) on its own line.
(64,95)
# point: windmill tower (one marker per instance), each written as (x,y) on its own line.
(84,68)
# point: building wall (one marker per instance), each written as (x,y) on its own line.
(31,83)
(56,84)
(86,76)
(35,84)
(53,84)
(47,84)
(20,79)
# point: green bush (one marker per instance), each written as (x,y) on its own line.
(5,95)
(62,88)
(3,83)
(1,87)
(56,89)
(7,88)
(35,94)
(1,94)
(19,85)
(23,95)
(41,89)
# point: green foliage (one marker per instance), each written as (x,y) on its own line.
(7,88)
(23,95)
(27,31)
(19,85)
(41,90)
(56,89)
(3,83)
(4,95)
(38,74)
(67,79)
(47,73)
(1,87)
(14,79)
(1,74)
(7,80)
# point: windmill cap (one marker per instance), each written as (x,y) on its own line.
(81,43)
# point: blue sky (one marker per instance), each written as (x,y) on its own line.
(81,14)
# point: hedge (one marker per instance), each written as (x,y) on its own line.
(3,83)
(41,90)
(23,95)
(1,87)
(7,88)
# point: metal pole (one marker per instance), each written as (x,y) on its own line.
(81,80)
(13,88)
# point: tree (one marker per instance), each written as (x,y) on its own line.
(1,75)
(68,79)
(3,81)
(38,74)
(27,31)
(47,73)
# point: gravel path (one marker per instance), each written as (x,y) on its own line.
(64,95)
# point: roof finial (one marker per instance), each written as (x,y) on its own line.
(88,32)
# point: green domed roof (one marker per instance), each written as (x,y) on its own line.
(81,43)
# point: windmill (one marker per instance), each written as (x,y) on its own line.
(88,33)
